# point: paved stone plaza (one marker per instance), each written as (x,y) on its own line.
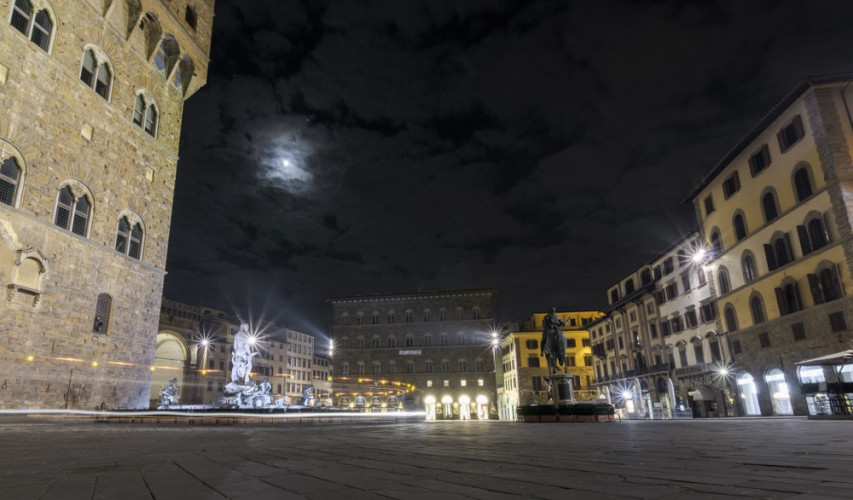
(756,458)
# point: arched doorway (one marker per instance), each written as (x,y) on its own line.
(170,360)
(748,394)
(447,407)
(779,396)
(429,403)
(464,408)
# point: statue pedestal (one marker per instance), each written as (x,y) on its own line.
(562,389)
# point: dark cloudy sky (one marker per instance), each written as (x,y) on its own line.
(539,148)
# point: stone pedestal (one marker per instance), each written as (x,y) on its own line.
(562,389)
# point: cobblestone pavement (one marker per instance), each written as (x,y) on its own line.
(755,458)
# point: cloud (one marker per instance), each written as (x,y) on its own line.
(542,148)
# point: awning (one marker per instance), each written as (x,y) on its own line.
(839,358)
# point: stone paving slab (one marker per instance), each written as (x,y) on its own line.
(698,459)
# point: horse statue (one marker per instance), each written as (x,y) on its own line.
(554,342)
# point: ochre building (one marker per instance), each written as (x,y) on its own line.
(91,101)
(776,215)
(525,369)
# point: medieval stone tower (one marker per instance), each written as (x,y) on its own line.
(91,101)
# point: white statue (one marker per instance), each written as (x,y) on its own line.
(169,395)
(241,356)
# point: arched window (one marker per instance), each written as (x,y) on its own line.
(749,272)
(756,307)
(817,234)
(768,204)
(359,342)
(41,30)
(375,317)
(392,341)
(145,115)
(782,251)
(778,390)
(460,338)
(802,184)
(716,245)
(96,74)
(129,238)
(739,226)
(345,369)
(392,367)
(460,314)
(788,297)
(10,173)
(427,340)
(410,341)
(731,318)
(445,366)
(102,313)
(463,365)
(476,312)
(723,280)
(377,368)
(410,366)
(428,366)
(166,55)
(344,342)
(72,214)
(21,13)
(830,285)
(443,339)
(360,367)
(37,28)
(374,342)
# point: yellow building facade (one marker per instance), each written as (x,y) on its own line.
(525,369)
(776,216)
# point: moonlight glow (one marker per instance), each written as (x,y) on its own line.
(285,168)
